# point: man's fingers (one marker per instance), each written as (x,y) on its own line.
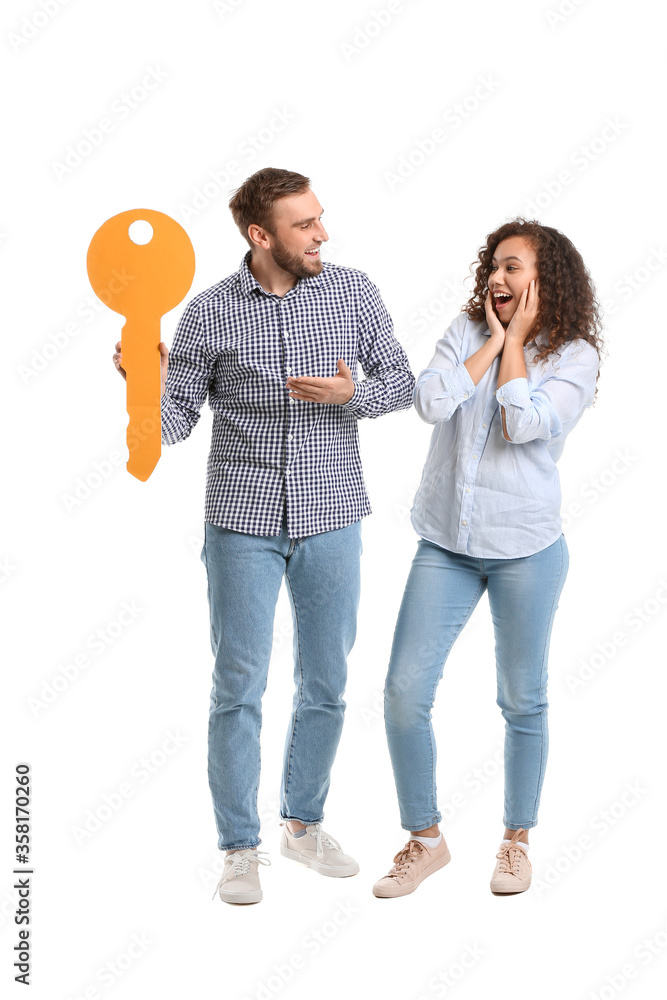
(307,380)
(306,385)
(304,394)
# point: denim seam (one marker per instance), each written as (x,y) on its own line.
(232,847)
(435,684)
(300,701)
(208,596)
(545,653)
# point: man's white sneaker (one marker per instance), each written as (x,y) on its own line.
(240,878)
(319,851)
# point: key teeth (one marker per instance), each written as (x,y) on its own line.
(139,474)
(144,443)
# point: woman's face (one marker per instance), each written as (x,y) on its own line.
(513,267)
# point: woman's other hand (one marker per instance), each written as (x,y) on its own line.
(525,315)
(496,328)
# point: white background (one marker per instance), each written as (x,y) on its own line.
(359,95)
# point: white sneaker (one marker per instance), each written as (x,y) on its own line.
(319,851)
(240,878)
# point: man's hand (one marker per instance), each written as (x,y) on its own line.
(338,389)
(164,363)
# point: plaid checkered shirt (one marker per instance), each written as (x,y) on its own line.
(271,454)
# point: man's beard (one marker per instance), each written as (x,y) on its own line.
(294,263)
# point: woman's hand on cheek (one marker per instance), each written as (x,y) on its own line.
(524,317)
(496,328)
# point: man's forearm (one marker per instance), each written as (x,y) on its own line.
(390,389)
(177,420)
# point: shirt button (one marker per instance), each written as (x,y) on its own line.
(290,437)
(467,489)
(483,425)
(292,400)
(287,472)
(465,395)
(474,456)
(464,523)
(286,334)
(288,369)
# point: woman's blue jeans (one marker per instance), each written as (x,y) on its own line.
(441,593)
(245,573)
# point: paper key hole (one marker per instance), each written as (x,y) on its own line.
(141,232)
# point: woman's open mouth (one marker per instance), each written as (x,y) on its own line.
(501,299)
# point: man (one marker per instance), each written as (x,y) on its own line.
(276,348)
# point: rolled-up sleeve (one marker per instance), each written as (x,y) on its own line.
(189,375)
(446,383)
(389,380)
(544,411)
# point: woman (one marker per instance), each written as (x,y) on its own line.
(509,380)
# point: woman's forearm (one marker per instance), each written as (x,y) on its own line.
(479,362)
(512,365)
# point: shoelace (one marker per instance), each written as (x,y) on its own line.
(241,862)
(323,840)
(510,858)
(412,850)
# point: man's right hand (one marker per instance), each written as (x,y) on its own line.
(164,364)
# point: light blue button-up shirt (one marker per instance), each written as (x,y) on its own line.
(481,494)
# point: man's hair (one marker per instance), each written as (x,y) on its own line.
(253,202)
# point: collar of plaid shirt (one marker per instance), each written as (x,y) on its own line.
(249,283)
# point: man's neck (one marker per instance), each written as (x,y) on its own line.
(272,278)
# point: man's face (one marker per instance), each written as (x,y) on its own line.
(297,234)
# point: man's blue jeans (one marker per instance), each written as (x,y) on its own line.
(245,573)
(441,593)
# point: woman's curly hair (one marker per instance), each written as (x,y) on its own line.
(567,308)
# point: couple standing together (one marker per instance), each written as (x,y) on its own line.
(276,348)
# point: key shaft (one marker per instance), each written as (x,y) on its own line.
(140,338)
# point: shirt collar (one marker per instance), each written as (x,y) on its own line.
(249,282)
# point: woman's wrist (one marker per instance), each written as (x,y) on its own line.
(515,339)
(496,343)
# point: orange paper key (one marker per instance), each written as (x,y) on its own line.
(142,282)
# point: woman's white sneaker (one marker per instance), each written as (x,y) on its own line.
(317,850)
(240,879)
